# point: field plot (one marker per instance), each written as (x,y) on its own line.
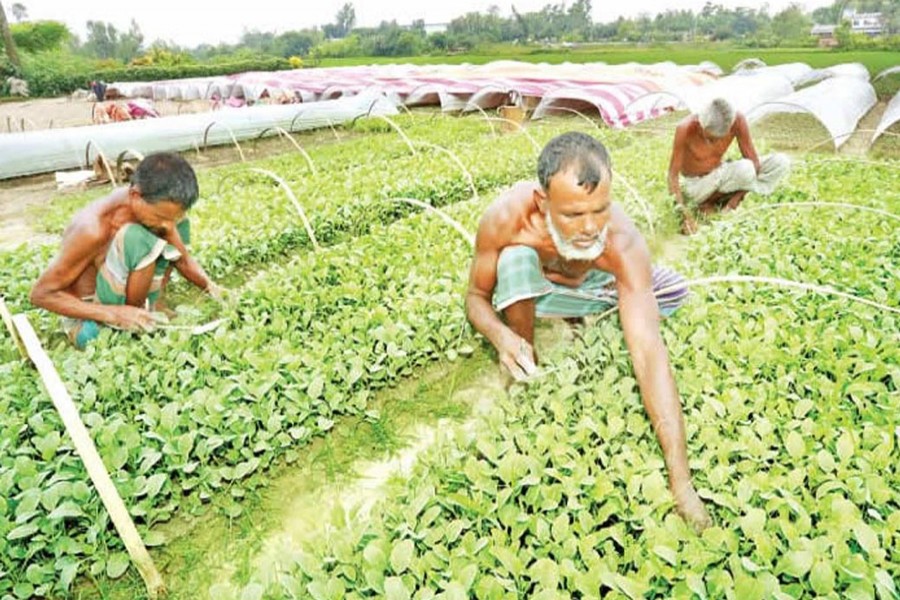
(346,343)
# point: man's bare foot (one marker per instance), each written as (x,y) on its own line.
(688,225)
(690,507)
(734,202)
(707,209)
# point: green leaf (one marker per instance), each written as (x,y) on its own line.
(667,554)
(794,444)
(821,578)
(252,591)
(315,387)
(66,510)
(885,585)
(796,563)
(630,586)
(866,537)
(510,561)
(395,589)
(825,460)
(152,486)
(545,572)
(696,585)
(116,565)
(22,531)
(749,565)
(401,556)
(155,538)
(845,446)
(754,522)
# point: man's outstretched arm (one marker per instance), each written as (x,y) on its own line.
(639,314)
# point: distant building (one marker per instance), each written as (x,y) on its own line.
(825,34)
(871,24)
(867,23)
(436,27)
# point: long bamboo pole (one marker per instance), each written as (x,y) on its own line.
(86,449)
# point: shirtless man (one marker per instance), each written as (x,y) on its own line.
(562,248)
(118,252)
(701,141)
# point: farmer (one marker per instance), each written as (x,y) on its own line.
(99,89)
(111,112)
(701,141)
(141,108)
(562,248)
(118,252)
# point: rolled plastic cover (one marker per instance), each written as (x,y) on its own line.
(42,151)
(838,103)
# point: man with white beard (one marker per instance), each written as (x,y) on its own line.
(562,248)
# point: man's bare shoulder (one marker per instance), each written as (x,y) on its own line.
(89,228)
(625,242)
(688,123)
(505,216)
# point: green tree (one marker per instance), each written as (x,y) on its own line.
(102,39)
(8,42)
(343,24)
(579,24)
(40,35)
(297,43)
(791,24)
(129,46)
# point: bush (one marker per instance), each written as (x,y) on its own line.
(54,74)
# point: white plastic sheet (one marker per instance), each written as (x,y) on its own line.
(745,92)
(891,115)
(53,149)
(794,72)
(857,70)
(838,103)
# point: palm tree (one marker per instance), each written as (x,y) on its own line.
(8,42)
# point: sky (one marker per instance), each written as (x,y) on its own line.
(192,22)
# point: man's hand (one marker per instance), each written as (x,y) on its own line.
(689,505)
(688,224)
(217,292)
(132,318)
(517,355)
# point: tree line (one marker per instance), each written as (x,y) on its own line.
(554,24)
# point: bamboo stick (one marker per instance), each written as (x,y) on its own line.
(87,451)
(7,320)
